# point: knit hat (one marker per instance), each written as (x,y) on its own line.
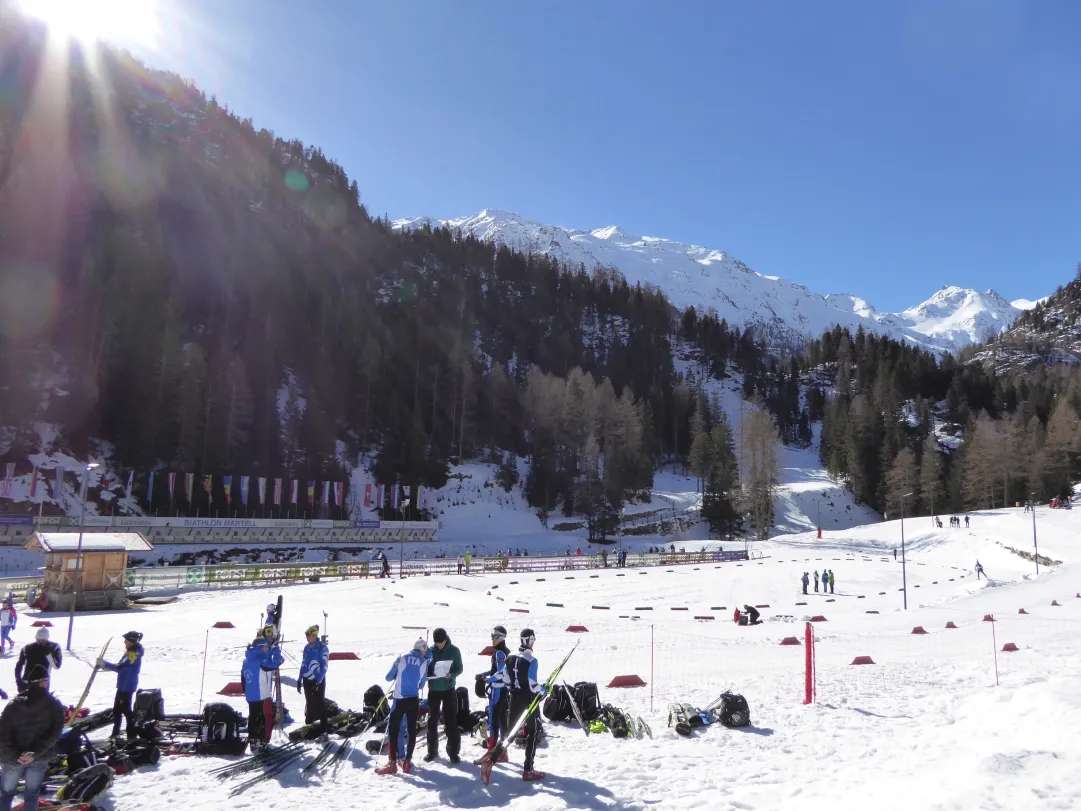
(439,636)
(37,673)
(42,635)
(499,631)
(420,646)
(313,630)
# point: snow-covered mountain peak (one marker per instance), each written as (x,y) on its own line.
(711,279)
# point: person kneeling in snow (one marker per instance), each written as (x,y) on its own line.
(752,614)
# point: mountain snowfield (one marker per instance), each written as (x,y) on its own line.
(944,720)
(705,278)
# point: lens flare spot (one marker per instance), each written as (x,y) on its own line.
(295,181)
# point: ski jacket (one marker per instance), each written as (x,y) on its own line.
(257,674)
(8,617)
(409,672)
(497,675)
(47,654)
(522,672)
(127,669)
(806,579)
(442,675)
(313,667)
(31,722)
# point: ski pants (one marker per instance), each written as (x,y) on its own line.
(448,701)
(122,711)
(315,703)
(407,707)
(497,715)
(260,720)
(5,635)
(32,774)
(831,587)
(519,702)
(816,585)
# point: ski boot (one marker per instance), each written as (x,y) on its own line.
(532,774)
(390,768)
(407,767)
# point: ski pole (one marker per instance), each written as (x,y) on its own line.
(202,681)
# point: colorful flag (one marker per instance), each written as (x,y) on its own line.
(405,493)
(171,481)
(368,496)
(278,492)
(208,485)
(34,482)
(150,487)
(380,495)
(261,483)
(106,481)
(227,486)
(245,481)
(131,481)
(295,490)
(339,488)
(326,491)
(59,481)
(9,475)
(189,486)
(394,496)
(311,491)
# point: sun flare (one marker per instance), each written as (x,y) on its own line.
(120,21)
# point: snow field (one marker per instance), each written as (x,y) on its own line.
(923,728)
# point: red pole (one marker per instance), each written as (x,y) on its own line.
(994,647)
(808,687)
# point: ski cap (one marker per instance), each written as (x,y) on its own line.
(499,631)
(42,635)
(269,632)
(271,608)
(528,637)
(313,630)
(38,673)
(439,635)
(133,636)
(420,645)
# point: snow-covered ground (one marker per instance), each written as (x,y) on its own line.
(926,727)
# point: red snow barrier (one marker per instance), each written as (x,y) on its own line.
(520,610)
(1009,647)
(872,612)
(679,608)
(488,651)
(513,583)
(343,655)
(568,578)
(576,629)
(627,681)
(602,608)
(831,600)
(863,660)
(951,625)
(790,640)
(1021,611)
(818,618)
(1055,602)
(988,618)
(225,624)
(764,605)
(41,624)
(918,630)
(233,688)
(705,617)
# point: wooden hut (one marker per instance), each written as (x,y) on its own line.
(104,560)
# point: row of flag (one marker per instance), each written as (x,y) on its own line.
(375,495)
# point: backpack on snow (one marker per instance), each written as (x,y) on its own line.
(616,721)
(86,784)
(149,705)
(219,731)
(462,694)
(588,700)
(734,711)
(557,706)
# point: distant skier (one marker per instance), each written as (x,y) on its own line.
(409,672)
(816,581)
(468,560)
(261,660)
(604,557)
(127,669)
(831,581)
(966,522)
(39,652)
(498,689)
(895,553)
(979,570)
(461,564)
(9,618)
(806,579)
(386,564)
(313,678)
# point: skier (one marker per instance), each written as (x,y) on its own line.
(271,614)
(262,658)
(816,581)
(445,665)
(127,681)
(604,557)
(313,679)
(386,565)
(522,671)
(966,522)
(409,672)
(9,618)
(979,570)
(30,726)
(752,613)
(468,560)
(498,682)
(895,553)
(461,564)
(39,652)
(831,581)
(806,579)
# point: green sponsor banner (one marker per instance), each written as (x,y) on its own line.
(129,578)
(194,575)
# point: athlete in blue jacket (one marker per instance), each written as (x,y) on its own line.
(410,673)
(127,681)
(313,678)
(498,684)
(261,660)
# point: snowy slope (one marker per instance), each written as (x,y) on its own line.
(925,727)
(691,275)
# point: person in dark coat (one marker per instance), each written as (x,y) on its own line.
(39,652)
(127,669)
(806,580)
(444,667)
(30,726)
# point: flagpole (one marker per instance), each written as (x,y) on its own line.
(401,554)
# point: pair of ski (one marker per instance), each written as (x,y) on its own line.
(492,756)
(686,717)
(329,758)
(266,758)
(90,682)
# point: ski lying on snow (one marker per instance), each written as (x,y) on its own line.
(277,767)
(317,762)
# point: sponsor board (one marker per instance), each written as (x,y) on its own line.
(16,520)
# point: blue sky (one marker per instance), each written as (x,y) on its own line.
(879,148)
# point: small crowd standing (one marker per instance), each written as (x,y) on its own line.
(826,579)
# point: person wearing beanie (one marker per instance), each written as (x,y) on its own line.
(522,671)
(127,670)
(30,726)
(498,682)
(409,673)
(39,652)
(313,679)
(9,618)
(262,658)
(444,667)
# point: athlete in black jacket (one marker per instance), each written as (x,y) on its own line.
(30,726)
(40,652)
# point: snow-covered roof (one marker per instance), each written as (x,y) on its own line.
(92,542)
